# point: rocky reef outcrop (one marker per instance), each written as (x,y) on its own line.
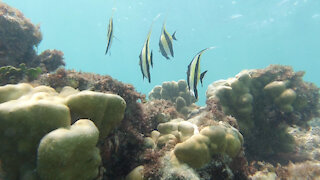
(19,61)
(265,103)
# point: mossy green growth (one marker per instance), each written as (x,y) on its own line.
(70,153)
(33,73)
(11,74)
(105,110)
(212,140)
(23,122)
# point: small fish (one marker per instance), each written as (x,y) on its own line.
(110,34)
(146,58)
(193,73)
(165,42)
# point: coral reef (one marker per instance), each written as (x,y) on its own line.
(121,135)
(160,111)
(265,102)
(188,149)
(14,75)
(105,110)
(70,153)
(176,92)
(302,170)
(115,155)
(18,38)
(307,142)
(19,61)
(27,114)
(50,60)
(212,140)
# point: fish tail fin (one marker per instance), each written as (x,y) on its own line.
(201,77)
(174,36)
(107,52)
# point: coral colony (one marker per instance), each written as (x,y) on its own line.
(62,124)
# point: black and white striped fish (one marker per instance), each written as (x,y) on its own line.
(193,73)
(110,34)
(146,59)
(165,43)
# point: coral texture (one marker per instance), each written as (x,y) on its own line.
(265,102)
(70,153)
(27,114)
(115,155)
(176,92)
(188,149)
(213,140)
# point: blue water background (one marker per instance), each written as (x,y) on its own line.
(248,34)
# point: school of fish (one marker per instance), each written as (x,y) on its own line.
(194,74)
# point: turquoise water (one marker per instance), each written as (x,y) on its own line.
(248,34)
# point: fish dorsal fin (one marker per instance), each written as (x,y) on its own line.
(164,23)
(202,75)
(149,33)
(203,50)
(164,26)
(174,36)
(153,20)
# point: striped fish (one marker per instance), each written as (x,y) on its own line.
(145,59)
(110,34)
(165,42)
(193,73)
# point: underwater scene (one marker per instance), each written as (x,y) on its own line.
(159,90)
